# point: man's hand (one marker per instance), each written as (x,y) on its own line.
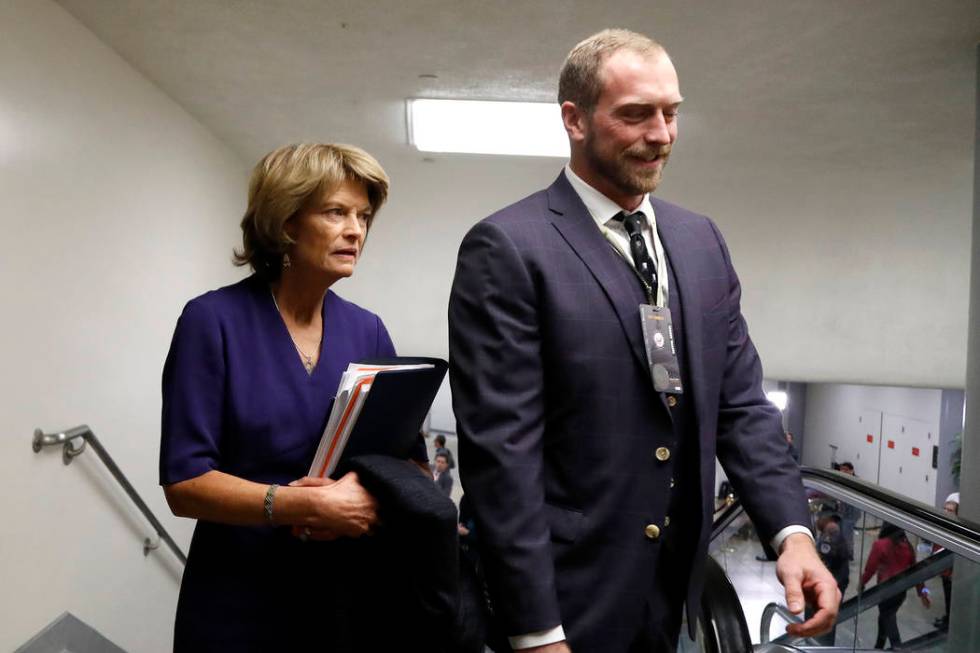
(806,579)
(557,647)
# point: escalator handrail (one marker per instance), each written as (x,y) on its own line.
(954,534)
(920,572)
(721,618)
(765,626)
(958,535)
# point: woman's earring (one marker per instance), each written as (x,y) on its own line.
(285,261)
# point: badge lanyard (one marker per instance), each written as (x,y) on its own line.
(655,319)
(658,296)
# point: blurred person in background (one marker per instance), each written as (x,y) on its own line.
(951,507)
(440,443)
(890,555)
(849,515)
(442,475)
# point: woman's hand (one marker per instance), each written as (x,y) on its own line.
(924,597)
(340,508)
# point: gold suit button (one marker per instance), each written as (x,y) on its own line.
(671,400)
(652,531)
(662,454)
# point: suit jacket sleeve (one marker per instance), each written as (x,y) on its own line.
(497,386)
(751,441)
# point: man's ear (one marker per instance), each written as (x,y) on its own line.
(575,120)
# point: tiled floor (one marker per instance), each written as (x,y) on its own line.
(757,586)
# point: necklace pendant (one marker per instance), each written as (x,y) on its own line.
(308,364)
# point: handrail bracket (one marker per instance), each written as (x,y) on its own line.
(69,451)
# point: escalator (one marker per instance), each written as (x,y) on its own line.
(947,565)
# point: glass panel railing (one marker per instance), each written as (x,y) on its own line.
(895,568)
(909,554)
(902,559)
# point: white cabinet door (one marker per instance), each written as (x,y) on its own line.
(891,466)
(920,477)
(906,457)
(862,445)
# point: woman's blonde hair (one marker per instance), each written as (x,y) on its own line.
(286,181)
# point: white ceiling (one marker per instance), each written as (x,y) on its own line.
(832,140)
(817,82)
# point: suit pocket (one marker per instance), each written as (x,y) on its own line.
(565,524)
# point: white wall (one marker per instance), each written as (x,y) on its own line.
(845,415)
(116,207)
(407,269)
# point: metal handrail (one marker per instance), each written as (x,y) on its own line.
(954,533)
(918,573)
(70,451)
(721,618)
(766,623)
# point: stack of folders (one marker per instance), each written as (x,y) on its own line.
(389,424)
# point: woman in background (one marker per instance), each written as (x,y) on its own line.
(247,388)
(890,555)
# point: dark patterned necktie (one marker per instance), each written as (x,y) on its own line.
(644,265)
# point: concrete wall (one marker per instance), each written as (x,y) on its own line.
(116,207)
(964,627)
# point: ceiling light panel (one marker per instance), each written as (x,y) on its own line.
(478,127)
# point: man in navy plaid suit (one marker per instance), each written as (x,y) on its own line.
(590,471)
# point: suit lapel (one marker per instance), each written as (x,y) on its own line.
(685,293)
(575,224)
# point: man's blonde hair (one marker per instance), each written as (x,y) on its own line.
(289,179)
(580,80)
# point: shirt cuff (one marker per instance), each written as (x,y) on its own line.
(777,540)
(539,638)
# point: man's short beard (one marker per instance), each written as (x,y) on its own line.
(620,174)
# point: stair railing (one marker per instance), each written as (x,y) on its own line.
(73,442)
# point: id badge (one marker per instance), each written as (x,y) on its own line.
(658,336)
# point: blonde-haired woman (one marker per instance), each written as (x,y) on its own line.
(247,388)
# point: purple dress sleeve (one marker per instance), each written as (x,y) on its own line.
(385,347)
(193,391)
